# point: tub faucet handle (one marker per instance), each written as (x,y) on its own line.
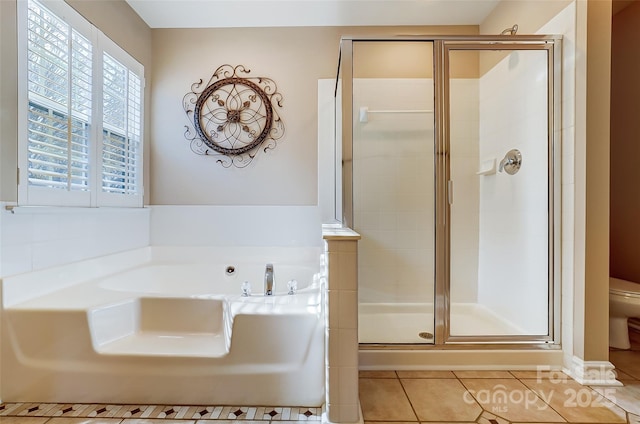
(246,289)
(269,280)
(292,286)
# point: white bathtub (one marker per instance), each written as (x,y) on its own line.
(164,325)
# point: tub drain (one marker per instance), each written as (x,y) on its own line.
(425,335)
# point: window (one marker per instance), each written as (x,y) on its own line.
(121,130)
(81,112)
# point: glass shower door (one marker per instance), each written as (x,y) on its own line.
(500,193)
(393,189)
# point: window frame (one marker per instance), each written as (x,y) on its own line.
(94,196)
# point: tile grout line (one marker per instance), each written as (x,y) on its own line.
(627,416)
(406,395)
(482,410)
(543,401)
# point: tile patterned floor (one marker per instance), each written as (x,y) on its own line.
(34,413)
(501,397)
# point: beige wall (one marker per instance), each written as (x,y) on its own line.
(593,76)
(295,58)
(119,22)
(8,101)
(598,74)
(379,59)
(115,18)
(625,149)
(593,60)
(408,60)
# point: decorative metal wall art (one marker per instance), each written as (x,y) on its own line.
(233,116)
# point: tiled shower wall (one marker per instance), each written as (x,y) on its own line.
(39,237)
(394,190)
(513,261)
(235,225)
(464,116)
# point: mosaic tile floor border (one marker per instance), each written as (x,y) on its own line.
(240,413)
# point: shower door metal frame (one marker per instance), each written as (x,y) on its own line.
(550,44)
(442,45)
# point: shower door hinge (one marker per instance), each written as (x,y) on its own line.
(450,192)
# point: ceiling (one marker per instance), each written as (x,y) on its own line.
(286,13)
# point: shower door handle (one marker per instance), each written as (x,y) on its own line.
(450,192)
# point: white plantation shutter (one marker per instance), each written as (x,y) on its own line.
(122,128)
(54,160)
(82,112)
(59,73)
(121,153)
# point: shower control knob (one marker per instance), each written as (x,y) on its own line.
(512,162)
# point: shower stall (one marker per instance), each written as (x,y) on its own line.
(447,152)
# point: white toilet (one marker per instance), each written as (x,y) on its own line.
(624,303)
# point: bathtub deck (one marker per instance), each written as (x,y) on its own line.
(168,344)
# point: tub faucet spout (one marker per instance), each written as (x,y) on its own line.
(269,280)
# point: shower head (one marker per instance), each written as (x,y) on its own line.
(510,31)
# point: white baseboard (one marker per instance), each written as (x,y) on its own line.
(469,359)
(592,373)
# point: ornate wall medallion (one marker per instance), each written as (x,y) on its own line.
(233,116)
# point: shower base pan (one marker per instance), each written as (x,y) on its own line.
(400,323)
